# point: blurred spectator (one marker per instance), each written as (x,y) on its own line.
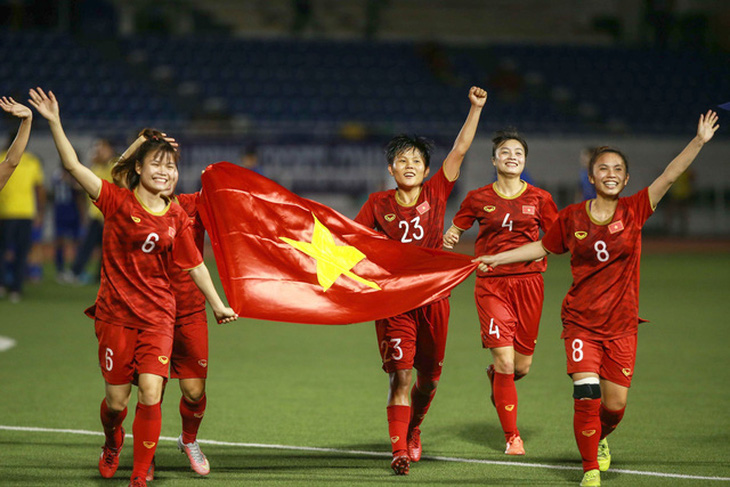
(506,81)
(372,16)
(250,159)
(679,199)
(22,204)
(586,191)
(102,161)
(438,62)
(302,15)
(68,206)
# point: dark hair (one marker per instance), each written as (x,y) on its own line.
(502,136)
(401,143)
(124,173)
(599,151)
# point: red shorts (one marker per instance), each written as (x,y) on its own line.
(125,352)
(612,360)
(415,339)
(509,310)
(190,351)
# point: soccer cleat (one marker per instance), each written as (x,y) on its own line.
(414,444)
(490,374)
(198,461)
(592,478)
(138,482)
(109,459)
(604,455)
(515,446)
(151,471)
(401,464)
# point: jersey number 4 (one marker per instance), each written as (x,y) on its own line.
(415,234)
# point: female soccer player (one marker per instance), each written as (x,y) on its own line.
(601,310)
(189,360)
(17,147)
(135,308)
(414,213)
(510,213)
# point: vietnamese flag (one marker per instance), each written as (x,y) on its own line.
(286,258)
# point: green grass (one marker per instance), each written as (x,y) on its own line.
(322,387)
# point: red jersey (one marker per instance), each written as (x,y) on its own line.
(603,300)
(190,301)
(137,247)
(506,223)
(421,223)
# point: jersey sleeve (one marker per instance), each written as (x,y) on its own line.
(464,218)
(189,203)
(366,216)
(185,253)
(554,239)
(110,198)
(548,213)
(440,185)
(640,204)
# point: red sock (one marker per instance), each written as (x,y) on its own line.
(192,415)
(505,400)
(146,428)
(587,430)
(111,421)
(420,403)
(609,420)
(398,417)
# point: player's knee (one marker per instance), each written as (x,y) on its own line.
(427,385)
(614,403)
(588,388)
(521,371)
(193,393)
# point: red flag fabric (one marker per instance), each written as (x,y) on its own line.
(286,258)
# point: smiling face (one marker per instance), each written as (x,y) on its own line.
(509,158)
(609,175)
(408,168)
(158,172)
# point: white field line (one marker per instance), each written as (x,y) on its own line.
(31,429)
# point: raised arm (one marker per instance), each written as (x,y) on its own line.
(452,163)
(528,252)
(47,106)
(706,128)
(201,277)
(16,149)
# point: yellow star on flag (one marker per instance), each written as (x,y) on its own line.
(332,260)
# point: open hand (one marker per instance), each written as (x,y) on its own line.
(707,126)
(14,108)
(46,105)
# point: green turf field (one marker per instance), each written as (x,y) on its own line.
(302,405)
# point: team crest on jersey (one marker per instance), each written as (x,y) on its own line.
(163,360)
(528,209)
(423,208)
(588,433)
(135,219)
(389,217)
(203,363)
(171,232)
(627,372)
(149,444)
(581,235)
(489,208)
(616,226)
